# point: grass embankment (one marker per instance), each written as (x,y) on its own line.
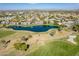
(58,48)
(33,25)
(4,33)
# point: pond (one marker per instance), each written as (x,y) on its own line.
(38,28)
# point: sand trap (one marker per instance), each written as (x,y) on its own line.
(71,39)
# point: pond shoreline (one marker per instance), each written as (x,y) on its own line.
(37,28)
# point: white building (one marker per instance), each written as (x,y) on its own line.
(68,23)
(39,22)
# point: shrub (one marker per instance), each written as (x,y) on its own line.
(3,41)
(24,38)
(59,29)
(52,33)
(21,46)
(29,36)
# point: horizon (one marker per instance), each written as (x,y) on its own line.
(39,6)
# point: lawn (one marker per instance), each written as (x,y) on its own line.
(4,33)
(58,48)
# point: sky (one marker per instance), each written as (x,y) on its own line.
(21,6)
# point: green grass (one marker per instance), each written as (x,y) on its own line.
(77,39)
(57,48)
(33,25)
(4,33)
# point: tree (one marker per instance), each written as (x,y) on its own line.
(4,25)
(76,27)
(55,22)
(44,22)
